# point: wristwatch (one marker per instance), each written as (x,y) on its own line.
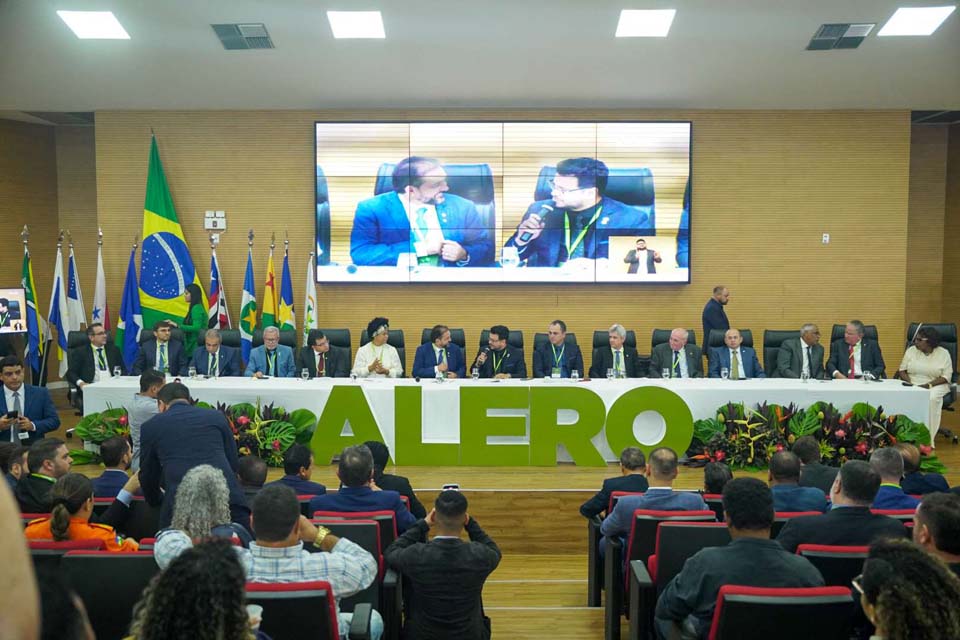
(322,532)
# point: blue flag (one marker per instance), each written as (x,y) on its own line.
(35,342)
(131,317)
(248,309)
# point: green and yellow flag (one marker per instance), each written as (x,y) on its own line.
(270,307)
(166,267)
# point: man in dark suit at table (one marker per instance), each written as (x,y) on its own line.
(321,359)
(499,359)
(801,355)
(631,479)
(180,438)
(93,362)
(714,315)
(439,357)
(740,362)
(556,355)
(36,415)
(161,353)
(853,354)
(812,472)
(681,359)
(214,356)
(618,356)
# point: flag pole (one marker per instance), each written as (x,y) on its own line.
(42,348)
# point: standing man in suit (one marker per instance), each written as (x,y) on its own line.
(95,362)
(499,359)
(740,362)
(419,217)
(812,472)
(714,315)
(439,357)
(35,413)
(214,358)
(853,355)
(271,359)
(668,356)
(557,356)
(322,360)
(631,479)
(642,255)
(180,438)
(161,353)
(801,355)
(619,357)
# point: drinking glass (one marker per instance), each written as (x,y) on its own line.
(665,372)
(724,373)
(475,373)
(610,373)
(117,372)
(575,375)
(192,372)
(304,374)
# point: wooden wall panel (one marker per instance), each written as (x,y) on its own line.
(766,185)
(924,273)
(77,202)
(951,231)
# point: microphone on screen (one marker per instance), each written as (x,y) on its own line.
(545,208)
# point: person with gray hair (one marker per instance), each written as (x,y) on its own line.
(888,462)
(215,358)
(853,355)
(633,465)
(677,357)
(803,355)
(271,359)
(620,358)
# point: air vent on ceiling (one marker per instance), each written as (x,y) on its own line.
(839,36)
(243,36)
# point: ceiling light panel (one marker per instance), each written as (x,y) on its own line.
(94,25)
(645,23)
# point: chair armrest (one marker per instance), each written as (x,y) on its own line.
(594,565)
(613,585)
(360,624)
(643,601)
(391,603)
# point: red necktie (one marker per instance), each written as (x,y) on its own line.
(852,373)
(321,362)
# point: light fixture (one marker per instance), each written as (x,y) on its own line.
(645,23)
(356,24)
(916,21)
(94,25)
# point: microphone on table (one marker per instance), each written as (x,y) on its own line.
(545,208)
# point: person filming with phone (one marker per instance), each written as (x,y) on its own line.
(26,412)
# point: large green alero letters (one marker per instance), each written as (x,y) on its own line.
(409,449)
(476,426)
(671,407)
(546,434)
(345,404)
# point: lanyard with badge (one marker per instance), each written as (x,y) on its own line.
(583,232)
(557,358)
(496,364)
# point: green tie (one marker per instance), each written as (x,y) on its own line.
(212,365)
(422,225)
(271,363)
(163,357)
(734,365)
(616,362)
(100,361)
(675,371)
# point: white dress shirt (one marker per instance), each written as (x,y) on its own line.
(100,374)
(387,355)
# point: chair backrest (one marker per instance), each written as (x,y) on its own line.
(772,339)
(616,495)
(540,339)
(838,565)
(288,338)
(176,333)
(457,337)
(662,336)
(677,541)
(143,520)
(715,502)
(780,518)
(228,337)
(395,340)
(471,181)
(366,534)
(110,584)
(869,332)
(77,339)
(903,515)
(25,518)
(632,186)
(291,608)
(47,554)
(643,530)
(824,613)
(515,339)
(340,338)
(386,519)
(716,338)
(601,339)
(948,338)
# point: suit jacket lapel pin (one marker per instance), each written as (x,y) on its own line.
(604,220)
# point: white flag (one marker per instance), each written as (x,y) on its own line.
(59,315)
(100,312)
(78,314)
(309,301)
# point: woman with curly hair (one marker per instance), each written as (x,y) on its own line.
(928,365)
(195,321)
(201,511)
(199,596)
(908,594)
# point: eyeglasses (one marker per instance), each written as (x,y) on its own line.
(858,583)
(561,190)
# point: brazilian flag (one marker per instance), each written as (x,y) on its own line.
(166,267)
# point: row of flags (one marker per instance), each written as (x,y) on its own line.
(166,268)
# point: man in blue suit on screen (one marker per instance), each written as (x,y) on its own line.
(740,362)
(271,359)
(439,357)
(418,216)
(579,221)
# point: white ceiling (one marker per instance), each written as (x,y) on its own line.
(727,54)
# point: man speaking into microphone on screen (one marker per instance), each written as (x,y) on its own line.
(576,225)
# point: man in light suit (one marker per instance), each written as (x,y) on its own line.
(36,414)
(648,257)
(557,355)
(439,356)
(161,353)
(214,356)
(740,362)
(322,360)
(619,357)
(271,359)
(418,217)
(864,353)
(801,355)
(667,356)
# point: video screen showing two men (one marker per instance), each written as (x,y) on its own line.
(503,202)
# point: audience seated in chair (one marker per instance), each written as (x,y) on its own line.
(298,469)
(812,472)
(850,521)
(908,594)
(252,473)
(631,479)
(48,459)
(116,455)
(13,463)
(716,475)
(750,559)
(788,495)
(915,482)
(389,482)
(64,615)
(936,527)
(889,464)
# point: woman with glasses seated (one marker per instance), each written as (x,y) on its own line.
(928,365)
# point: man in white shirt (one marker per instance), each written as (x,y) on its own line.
(678,358)
(377,359)
(739,361)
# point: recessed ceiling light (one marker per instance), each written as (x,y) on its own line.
(94,25)
(356,24)
(915,21)
(645,23)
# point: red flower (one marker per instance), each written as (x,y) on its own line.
(720,456)
(122,420)
(862,448)
(276,445)
(893,440)
(779,447)
(840,433)
(925,449)
(243,421)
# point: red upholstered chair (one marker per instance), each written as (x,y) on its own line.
(904,515)
(386,519)
(594,563)
(780,518)
(294,608)
(26,518)
(824,613)
(715,502)
(46,554)
(838,565)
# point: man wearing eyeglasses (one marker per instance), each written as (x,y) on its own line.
(577,224)
(419,217)
(93,362)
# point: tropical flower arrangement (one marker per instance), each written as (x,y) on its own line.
(266,430)
(746,437)
(94,429)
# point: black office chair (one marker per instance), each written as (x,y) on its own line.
(772,339)
(340,338)
(869,332)
(515,339)
(540,339)
(288,338)
(76,340)
(633,186)
(662,336)
(228,338)
(948,340)
(323,219)
(716,338)
(457,337)
(395,340)
(601,339)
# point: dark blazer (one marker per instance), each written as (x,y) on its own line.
(179,439)
(603,360)
(82,367)
(634,262)
(889,497)
(918,483)
(720,359)
(839,526)
(336,366)
(714,317)
(870,358)
(300,486)
(662,358)
(447,575)
(512,363)
(570,360)
(147,358)
(796,498)
(33,493)
(424,361)
(818,475)
(109,483)
(402,486)
(790,360)
(634,482)
(352,499)
(37,405)
(619,521)
(229,361)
